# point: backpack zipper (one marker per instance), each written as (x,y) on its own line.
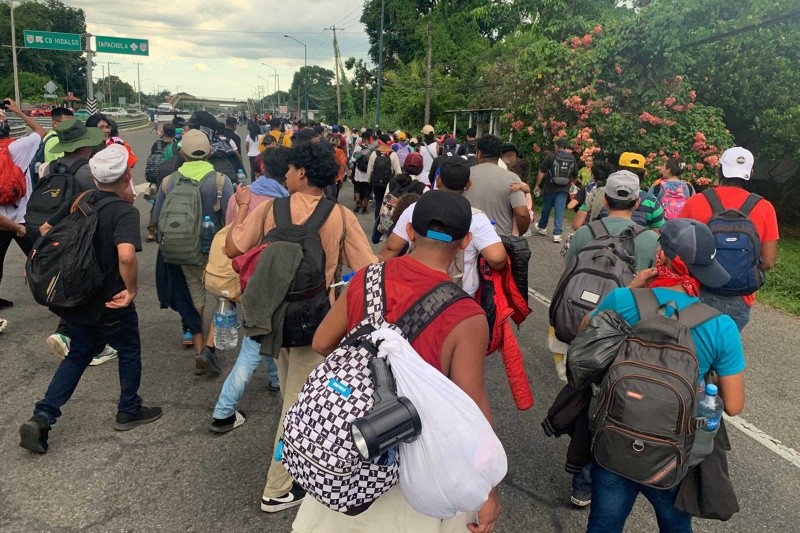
(660,369)
(642,436)
(613,386)
(314,462)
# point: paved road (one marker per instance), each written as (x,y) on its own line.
(174,475)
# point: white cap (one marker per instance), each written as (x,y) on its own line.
(737,162)
(109,164)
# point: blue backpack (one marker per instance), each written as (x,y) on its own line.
(738,245)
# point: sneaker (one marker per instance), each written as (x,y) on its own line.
(33,434)
(58,345)
(105,356)
(207,360)
(187,339)
(541,231)
(363,210)
(556,238)
(5,304)
(198,368)
(580,499)
(527,233)
(273,387)
(144,415)
(356,209)
(291,499)
(224,425)
(3,324)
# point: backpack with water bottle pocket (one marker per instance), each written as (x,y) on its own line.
(645,422)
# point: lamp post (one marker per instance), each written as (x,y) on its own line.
(277,84)
(266,89)
(305,69)
(14,55)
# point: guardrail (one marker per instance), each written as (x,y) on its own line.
(125,122)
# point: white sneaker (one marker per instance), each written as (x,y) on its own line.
(105,356)
(527,233)
(556,238)
(58,345)
(3,324)
(541,231)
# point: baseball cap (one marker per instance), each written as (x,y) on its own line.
(631,159)
(693,242)
(454,172)
(449,143)
(401,136)
(109,164)
(737,162)
(427,129)
(413,164)
(168,129)
(447,209)
(195,144)
(622,185)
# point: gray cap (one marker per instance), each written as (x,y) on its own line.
(622,185)
(694,243)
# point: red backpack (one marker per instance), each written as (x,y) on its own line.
(12,179)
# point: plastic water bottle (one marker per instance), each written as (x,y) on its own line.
(225,324)
(241,177)
(710,408)
(207,232)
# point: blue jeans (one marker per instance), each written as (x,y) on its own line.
(582,481)
(733,306)
(240,376)
(556,201)
(120,329)
(613,497)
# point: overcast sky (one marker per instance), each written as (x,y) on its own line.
(224,60)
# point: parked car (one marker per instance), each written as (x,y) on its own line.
(41,110)
(81,113)
(114,112)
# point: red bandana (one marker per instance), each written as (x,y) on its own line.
(680,275)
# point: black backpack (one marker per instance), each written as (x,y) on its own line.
(604,264)
(154,161)
(38,159)
(645,428)
(62,269)
(51,192)
(738,245)
(308,295)
(382,172)
(362,159)
(563,168)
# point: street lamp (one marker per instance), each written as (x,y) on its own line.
(277,84)
(305,70)
(266,90)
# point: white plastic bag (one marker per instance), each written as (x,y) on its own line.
(457,458)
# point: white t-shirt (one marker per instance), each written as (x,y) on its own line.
(483,235)
(22,152)
(357,174)
(252,149)
(429,152)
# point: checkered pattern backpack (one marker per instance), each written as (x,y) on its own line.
(317,447)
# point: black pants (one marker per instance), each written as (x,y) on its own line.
(253,170)
(377,194)
(24,243)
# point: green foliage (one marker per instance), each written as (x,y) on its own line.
(113,88)
(67,69)
(782,289)
(31,87)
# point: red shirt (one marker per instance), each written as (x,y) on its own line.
(407,280)
(763,214)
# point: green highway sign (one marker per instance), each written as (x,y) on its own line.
(48,40)
(122,45)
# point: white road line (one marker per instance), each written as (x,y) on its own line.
(771,443)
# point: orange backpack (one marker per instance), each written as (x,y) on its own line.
(12,179)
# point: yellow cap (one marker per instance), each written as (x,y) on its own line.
(631,160)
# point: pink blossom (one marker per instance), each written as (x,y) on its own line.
(699,166)
(692,95)
(679,108)
(690,106)
(509,116)
(575,42)
(537,148)
(517,125)
(618,69)
(670,101)
(530,130)
(605,110)
(597,29)
(642,131)
(587,40)
(712,160)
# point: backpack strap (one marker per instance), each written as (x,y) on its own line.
(428,307)
(750,203)
(220,185)
(697,313)
(646,302)
(375,293)
(597,228)
(713,200)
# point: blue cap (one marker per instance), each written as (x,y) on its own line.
(711,389)
(207,218)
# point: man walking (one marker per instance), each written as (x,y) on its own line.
(560,168)
(110,317)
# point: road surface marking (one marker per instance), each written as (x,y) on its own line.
(771,443)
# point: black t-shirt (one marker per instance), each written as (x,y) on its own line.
(118,223)
(546,166)
(235,138)
(580,196)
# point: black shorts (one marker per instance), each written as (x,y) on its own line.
(363,188)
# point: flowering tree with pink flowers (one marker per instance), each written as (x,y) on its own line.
(603,102)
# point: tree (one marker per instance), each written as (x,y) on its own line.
(113,88)
(68,69)
(321,91)
(31,86)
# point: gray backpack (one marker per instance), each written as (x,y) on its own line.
(604,264)
(181,217)
(646,421)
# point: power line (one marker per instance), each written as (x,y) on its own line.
(195,30)
(743,29)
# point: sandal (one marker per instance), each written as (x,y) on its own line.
(150,237)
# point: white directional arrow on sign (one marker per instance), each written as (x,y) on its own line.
(134,47)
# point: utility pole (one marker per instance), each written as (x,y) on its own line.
(110,87)
(336,68)
(103,80)
(277,84)
(364,102)
(380,69)
(91,105)
(14,55)
(139,88)
(428,76)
